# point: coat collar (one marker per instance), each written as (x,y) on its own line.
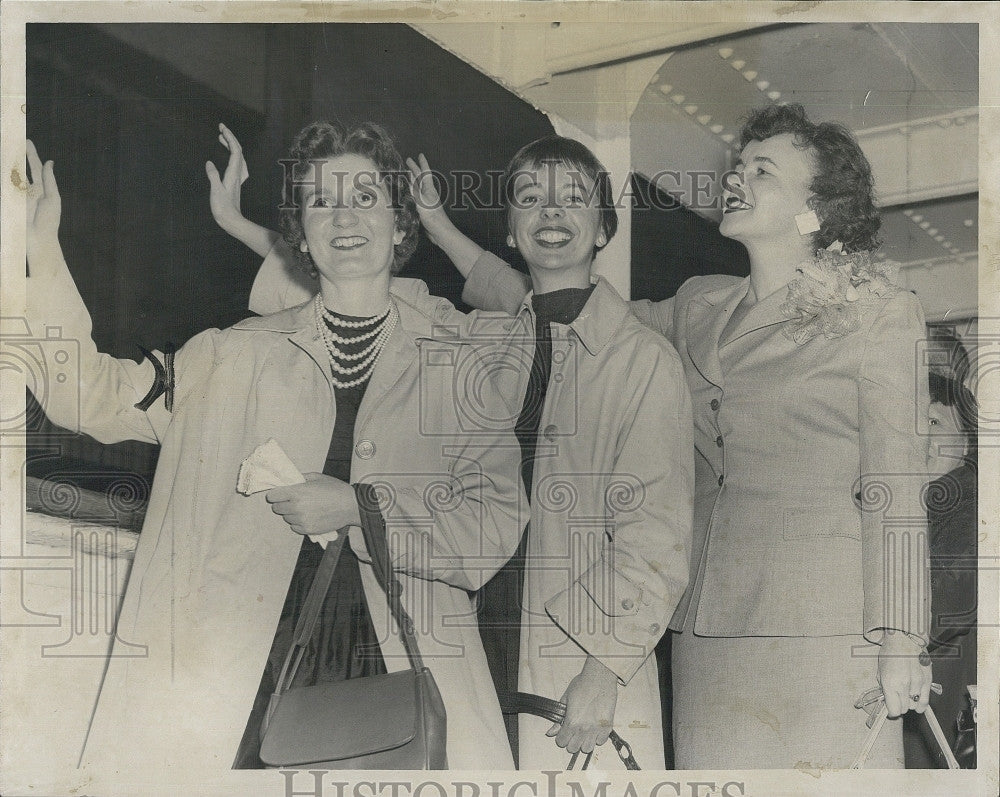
(415,321)
(600,318)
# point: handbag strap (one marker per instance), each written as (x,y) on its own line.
(374,530)
(554,711)
(376,541)
(310,611)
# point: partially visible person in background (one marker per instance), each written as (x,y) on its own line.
(952,500)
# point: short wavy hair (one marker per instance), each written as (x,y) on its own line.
(843,186)
(321,140)
(571,153)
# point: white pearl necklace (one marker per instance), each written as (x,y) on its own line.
(367,356)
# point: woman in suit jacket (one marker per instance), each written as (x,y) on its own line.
(809,570)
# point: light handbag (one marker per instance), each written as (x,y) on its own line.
(392,721)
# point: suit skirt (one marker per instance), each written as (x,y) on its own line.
(776,703)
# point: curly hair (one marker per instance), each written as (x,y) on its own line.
(320,140)
(571,153)
(843,187)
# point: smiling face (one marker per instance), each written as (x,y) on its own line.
(348,221)
(555,222)
(770,188)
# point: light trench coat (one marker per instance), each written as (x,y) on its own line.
(611,507)
(212,566)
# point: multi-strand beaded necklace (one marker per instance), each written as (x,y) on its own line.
(352,365)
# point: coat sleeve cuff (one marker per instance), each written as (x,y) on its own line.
(620,630)
(494,285)
(280,283)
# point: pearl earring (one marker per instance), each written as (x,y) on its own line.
(510,242)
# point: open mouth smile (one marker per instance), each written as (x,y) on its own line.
(348,242)
(734,203)
(553,237)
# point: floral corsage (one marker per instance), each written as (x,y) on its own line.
(823,299)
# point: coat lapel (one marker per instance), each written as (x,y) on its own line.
(399,352)
(763,314)
(706,318)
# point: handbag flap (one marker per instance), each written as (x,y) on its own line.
(341,720)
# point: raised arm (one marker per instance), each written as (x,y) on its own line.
(83,389)
(224,198)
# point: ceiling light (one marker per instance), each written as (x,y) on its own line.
(932,231)
(908,212)
(774,94)
(738,65)
(762,85)
(749,75)
(666,88)
(717,129)
(924,225)
(678,98)
(728,138)
(969,223)
(704,119)
(725,52)
(691,109)
(918,218)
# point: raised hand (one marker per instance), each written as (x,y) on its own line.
(428,199)
(462,251)
(44,205)
(224,191)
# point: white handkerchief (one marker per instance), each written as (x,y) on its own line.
(268,466)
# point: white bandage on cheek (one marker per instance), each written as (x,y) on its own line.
(807,222)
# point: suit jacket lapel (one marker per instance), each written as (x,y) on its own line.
(706,318)
(763,314)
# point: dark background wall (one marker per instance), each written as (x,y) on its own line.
(130,133)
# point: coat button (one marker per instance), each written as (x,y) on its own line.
(550,432)
(654,629)
(365,449)
(627,604)
(715,404)
(721,480)
(718,441)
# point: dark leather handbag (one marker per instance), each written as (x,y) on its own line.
(392,721)
(554,711)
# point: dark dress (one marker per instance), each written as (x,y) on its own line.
(952,523)
(499,611)
(344,644)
